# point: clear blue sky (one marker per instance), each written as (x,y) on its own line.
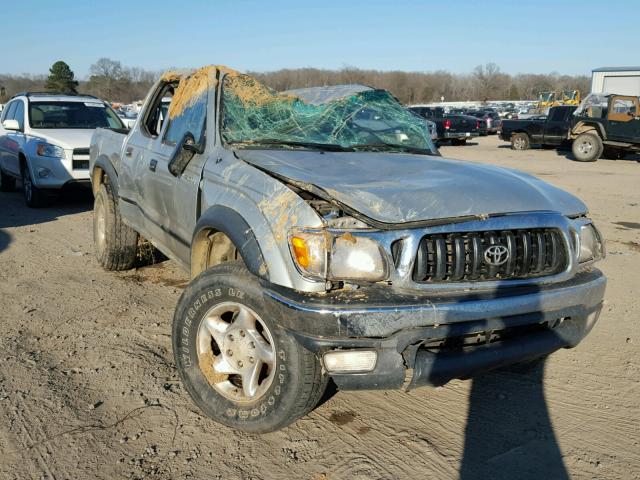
(569,37)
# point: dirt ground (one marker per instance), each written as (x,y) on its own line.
(88,387)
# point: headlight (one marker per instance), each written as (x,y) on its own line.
(324,255)
(48,150)
(591,247)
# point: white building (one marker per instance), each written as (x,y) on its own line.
(620,80)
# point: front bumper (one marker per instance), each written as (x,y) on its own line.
(55,173)
(422,340)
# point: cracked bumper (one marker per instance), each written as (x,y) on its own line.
(401,327)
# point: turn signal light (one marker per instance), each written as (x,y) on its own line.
(301,251)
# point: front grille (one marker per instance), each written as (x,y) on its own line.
(81,151)
(80,164)
(460,257)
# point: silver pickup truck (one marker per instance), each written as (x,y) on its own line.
(327,238)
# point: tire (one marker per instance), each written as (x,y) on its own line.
(587,147)
(232,299)
(115,243)
(7,182)
(458,141)
(34,197)
(520,141)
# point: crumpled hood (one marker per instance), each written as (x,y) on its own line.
(67,138)
(398,188)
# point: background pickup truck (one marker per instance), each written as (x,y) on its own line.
(552,130)
(450,126)
(606,125)
(326,237)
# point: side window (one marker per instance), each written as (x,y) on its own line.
(557,115)
(189,118)
(623,109)
(19,113)
(8,111)
(157,114)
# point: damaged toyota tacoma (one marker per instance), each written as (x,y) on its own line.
(327,239)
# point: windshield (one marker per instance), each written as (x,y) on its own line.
(547,96)
(594,105)
(59,115)
(255,116)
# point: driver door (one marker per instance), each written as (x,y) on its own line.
(173,198)
(624,119)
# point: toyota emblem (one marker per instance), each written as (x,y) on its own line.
(496,255)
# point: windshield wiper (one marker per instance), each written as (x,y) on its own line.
(316,146)
(383,146)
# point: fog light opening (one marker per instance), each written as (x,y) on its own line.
(43,172)
(350,361)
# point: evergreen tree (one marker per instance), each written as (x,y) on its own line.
(61,79)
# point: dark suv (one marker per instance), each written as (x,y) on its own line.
(606,125)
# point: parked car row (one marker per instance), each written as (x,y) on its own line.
(604,125)
(450,126)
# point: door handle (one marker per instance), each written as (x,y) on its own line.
(152,165)
(128,151)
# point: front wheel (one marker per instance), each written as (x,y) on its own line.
(587,147)
(33,196)
(238,366)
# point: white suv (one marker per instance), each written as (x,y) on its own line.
(44,141)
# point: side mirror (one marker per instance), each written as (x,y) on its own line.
(185,150)
(11,125)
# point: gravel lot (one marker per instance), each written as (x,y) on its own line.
(88,387)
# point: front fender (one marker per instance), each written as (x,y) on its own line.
(105,164)
(584,126)
(224,219)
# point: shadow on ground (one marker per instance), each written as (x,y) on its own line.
(509,433)
(15,213)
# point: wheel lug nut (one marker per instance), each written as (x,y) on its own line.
(240,363)
(252,345)
(251,360)
(229,353)
(242,333)
(230,337)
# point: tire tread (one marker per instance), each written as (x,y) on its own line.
(122,240)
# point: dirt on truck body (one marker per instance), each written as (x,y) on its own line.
(328,239)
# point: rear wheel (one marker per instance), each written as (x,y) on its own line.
(7,182)
(115,243)
(587,147)
(520,141)
(458,141)
(239,367)
(33,196)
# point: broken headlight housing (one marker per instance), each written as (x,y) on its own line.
(338,255)
(591,246)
